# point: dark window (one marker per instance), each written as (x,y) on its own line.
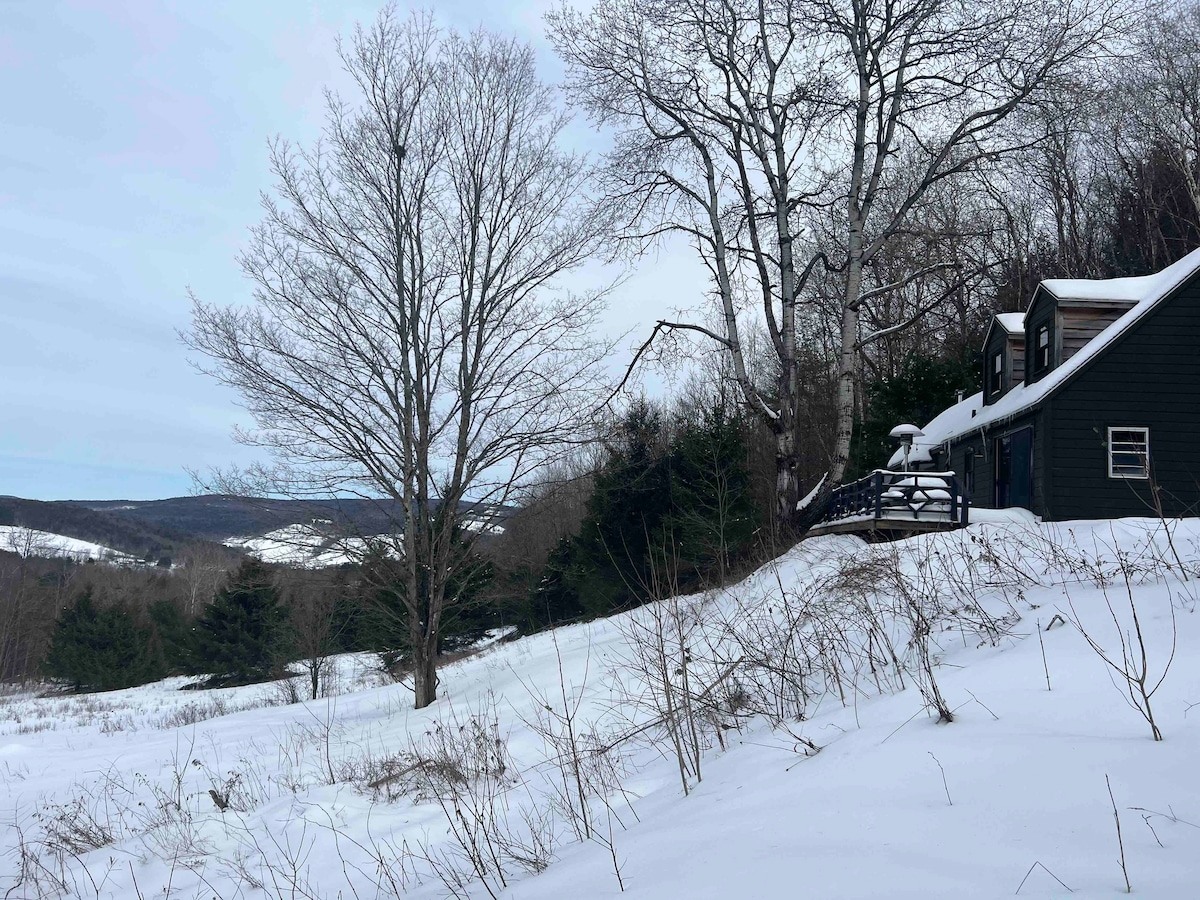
(1041,352)
(997,373)
(1129,453)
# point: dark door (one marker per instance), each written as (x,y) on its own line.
(1014,469)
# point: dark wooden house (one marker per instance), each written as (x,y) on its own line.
(1090,403)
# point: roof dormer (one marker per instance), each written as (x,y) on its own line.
(1003,356)
(1063,316)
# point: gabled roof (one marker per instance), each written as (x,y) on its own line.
(1144,291)
(1013,323)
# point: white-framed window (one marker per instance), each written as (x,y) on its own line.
(1128,452)
(1042,353)
(997,371)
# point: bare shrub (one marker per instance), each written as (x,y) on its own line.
(584,772)
(467,772)
(1137,679)
(194,713)
(666,685)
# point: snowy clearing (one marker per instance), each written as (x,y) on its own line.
(807,739)
(305,546)
(32,542)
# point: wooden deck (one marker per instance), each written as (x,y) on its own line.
(888,505)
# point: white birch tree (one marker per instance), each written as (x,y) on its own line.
(792,140)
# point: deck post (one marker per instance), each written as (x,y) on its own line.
(877,485)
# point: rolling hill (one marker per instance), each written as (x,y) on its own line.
(151,529)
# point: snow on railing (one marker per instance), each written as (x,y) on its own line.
(902,496)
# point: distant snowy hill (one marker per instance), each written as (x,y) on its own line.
(31,542)
(313,546)
(304,546)
(778,738)
(219,518)
(154,529)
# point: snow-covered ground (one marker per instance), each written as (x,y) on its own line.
(360,795)
(311,547)
(32,542)
(301,545)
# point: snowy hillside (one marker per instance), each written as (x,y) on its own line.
(305,546)
(32,542)
(310,547)
(779,738)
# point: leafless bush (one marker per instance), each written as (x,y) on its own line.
(667,687)
(469,775)
(79,825)
(193,713)
(287,691)
(863,624)
(1132,668)
(583,772)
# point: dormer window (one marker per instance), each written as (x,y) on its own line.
(997,381)
(1041,349)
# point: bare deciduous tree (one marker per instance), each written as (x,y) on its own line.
(1161,87)
(793,140)
(407,342)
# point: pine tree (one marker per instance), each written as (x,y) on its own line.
(99,649)
(242,637)
(713,516)
(172,636)
(623,534)
(555,598)
(924,386)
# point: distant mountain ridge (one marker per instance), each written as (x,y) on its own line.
(77,521)
(150,529)
(218,517)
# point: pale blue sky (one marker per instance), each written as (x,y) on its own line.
(132,151)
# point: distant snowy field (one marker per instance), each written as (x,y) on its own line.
(300,545)
(309,547)
(356,795)
(31,542)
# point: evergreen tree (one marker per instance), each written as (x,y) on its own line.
(242,637)
(383,625)
(665,514)
(713,516)
(924,387)
(555,598)
(99,649)
(623,534)
(173,639)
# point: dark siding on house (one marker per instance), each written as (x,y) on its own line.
(1078,325)
(1148,377)
(975,453)
(1012,347)
(1016,352)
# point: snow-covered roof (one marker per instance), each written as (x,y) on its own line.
(1013,323)
(1145,291)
